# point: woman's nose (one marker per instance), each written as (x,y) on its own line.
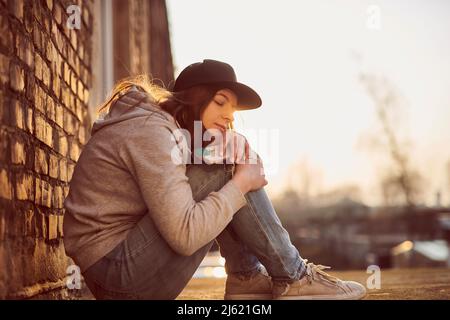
(229,117)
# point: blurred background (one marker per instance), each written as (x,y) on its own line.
(354,127)
(359,98)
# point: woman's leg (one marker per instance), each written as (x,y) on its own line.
(254,236)
(239,260)
(259,228)
(144,266)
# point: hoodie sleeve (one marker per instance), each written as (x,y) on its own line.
(185,224)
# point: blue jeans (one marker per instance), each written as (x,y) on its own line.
(144,266)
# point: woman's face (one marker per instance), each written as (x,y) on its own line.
(218,114)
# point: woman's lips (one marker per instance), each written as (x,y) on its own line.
(223,128)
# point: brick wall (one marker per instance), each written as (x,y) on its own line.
(51,79)
(45,76)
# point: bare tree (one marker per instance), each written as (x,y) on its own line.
(400,182)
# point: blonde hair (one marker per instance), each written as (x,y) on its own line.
(185,106)
(156,92)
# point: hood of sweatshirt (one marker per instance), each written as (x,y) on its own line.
(133,104)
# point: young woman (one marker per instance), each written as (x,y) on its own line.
(139,221)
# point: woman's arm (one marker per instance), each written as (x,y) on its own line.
(185,224)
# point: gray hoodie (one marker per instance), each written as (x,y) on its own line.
(126,171)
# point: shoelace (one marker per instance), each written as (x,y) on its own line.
(312,270)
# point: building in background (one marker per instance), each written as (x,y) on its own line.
(51,79)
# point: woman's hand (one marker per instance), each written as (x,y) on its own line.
(230,147)
(234,148)
(249,173)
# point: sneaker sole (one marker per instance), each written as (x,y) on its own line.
(248,296)
(322,297)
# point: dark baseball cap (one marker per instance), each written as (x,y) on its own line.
(221,75)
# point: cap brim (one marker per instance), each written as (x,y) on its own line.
(247,97)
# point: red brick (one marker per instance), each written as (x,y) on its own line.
(71,56)
(69,122)
(38,66)
(18,155)
(73,103)
(46,74)
(44,131)
(58,197)
(80,109)
(82,135)
(16,8)
(56,85)
(50,4)
(62,144)
(73,38)
(74,151)
(29,223)
(59,41)
(40,161)
(39,98)
(43,193)
(24,186)
(17,116)
(29,120)
(50,50)
(63,170)
(87,58)
(6,35)
(28,19)
(58,65)
(51,109)
(60,226)
(53,166)
(86,16)
(58,13)
(67,73)
(2,234)
(70,169)
(65,95)
(52,227)
(47,22)
(4,67)
(86,96)
(73,82)
(17,77)
(80,92)
(4,147)
(16,222)
(37,12)
(66,191)
(37,38)
(59,115)
(25,51)
(5,185)
(81,51)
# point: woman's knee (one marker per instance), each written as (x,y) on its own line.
(205,178)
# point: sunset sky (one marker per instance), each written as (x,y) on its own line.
(304,58)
